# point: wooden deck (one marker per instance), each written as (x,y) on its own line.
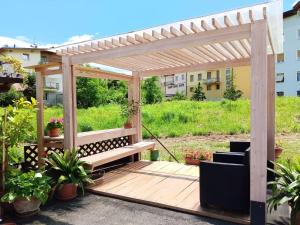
(162,184)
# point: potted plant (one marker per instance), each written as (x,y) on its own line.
(68,172)
(278,149)
(195,157)
(128,111)
(286,189)
(54,126)
(26,191)
(154,155)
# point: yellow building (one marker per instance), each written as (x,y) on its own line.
(215,82)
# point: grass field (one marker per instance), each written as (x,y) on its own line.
(181,118)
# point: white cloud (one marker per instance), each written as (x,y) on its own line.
(11,42)
(23,41)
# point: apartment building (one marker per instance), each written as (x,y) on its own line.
(288,63)
(171,84)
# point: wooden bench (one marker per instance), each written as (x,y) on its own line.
(102,158)
(99,159)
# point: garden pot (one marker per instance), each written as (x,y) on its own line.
(154,155)
(127,125)
(55,132)
(66,192)
(191,161)
(278,152)
(295,217)
(25,207)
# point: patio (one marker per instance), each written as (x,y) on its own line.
(163,184)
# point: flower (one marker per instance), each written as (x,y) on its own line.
(39,175)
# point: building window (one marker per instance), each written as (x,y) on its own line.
(182,77)
(57,85)
(228,77)
(298,75)
(44,59)
(191,89)
(279,77)
(218,75)
(208,87)
(25,57)
(280,58)
(199,76)
(218,86)
(298,55)
(192,78)
(176,78)
(208,75)
(298,93)
(280,93)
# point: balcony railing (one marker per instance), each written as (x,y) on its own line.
(52,85)
(211,81)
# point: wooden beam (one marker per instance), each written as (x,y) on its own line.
(40,116)
(68,103)
(271,107)
(259,122)
(190,68)
(202,38)
(81,71)
(96,136)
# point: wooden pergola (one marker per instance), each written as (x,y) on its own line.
(247,36)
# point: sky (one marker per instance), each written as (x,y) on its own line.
(55,22)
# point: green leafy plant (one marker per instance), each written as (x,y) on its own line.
(151,91)
(286,188)
(55,123)
(68,168)
(198,94)
(179,96)
(129,110)
(232,93)
(27,185)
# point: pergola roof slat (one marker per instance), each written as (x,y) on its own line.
(210,39)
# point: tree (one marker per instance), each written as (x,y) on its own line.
(30,86)
(231,92)
(198,93)
(151,91)
(89,92)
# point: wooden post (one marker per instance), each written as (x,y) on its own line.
(74,109)
(259,122)
(40,116)
(134,94)
(68,103)
(271,107)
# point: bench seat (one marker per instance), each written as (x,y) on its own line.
(99,159)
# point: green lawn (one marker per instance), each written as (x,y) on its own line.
(180,118)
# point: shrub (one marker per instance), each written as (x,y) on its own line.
(233,94)
(86,128)
(9,97)
(151,91)
(179,96)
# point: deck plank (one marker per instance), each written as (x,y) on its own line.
(162,184)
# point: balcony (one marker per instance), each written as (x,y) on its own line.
(211,81)
(10,78)
(51,86)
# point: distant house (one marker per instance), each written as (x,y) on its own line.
(171,84)
(33,56)
(288,63)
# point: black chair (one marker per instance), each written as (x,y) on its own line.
(239,146)
(225,182)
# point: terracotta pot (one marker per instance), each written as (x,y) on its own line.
(278,152)
(27,207)
(54,132)
(66,192)
(191,161)
(295,217)
(127,125)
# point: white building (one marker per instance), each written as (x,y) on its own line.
(171,84)
(288,64)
